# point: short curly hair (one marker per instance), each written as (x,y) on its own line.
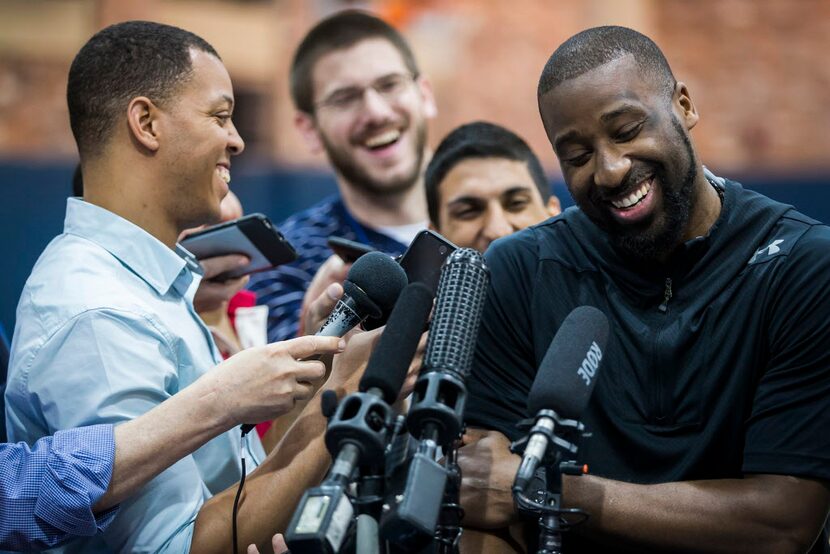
(119,63)
(597,46)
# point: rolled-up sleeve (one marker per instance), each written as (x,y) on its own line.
(47,492)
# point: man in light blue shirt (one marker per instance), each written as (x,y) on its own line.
(107,331)
(106,328)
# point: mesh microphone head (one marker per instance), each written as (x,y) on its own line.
(391,358)
(454,329)
(570,367)
(380,277)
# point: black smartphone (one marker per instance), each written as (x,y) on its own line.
(423,259)
(252,235)
(348,250)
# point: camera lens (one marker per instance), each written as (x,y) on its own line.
(442,249)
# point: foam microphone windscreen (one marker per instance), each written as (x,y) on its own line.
(461,292)
(391,358)
(363,304)
(380,277)
(570,367)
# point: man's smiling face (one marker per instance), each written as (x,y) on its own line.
(376,139)
(623,146)
(483,199)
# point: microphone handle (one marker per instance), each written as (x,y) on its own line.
(537,445)
(343,318)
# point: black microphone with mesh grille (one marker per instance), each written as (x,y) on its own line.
(440,393)
(461,291)
(436,416)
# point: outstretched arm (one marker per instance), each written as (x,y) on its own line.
(299,461)
(255,384)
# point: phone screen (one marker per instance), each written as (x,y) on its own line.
(424,258)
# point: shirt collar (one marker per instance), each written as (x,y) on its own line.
(146,256)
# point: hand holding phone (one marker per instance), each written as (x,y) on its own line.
(252,235)
(213,292)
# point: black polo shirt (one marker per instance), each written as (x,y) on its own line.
(730,375)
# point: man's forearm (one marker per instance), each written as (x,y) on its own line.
(761,513)
(149,444)
(272,491)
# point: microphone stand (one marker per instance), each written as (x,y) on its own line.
(371,486)
(448,532)
(368,504)
(436,415)
(435,420)
(544,500)
(358,433)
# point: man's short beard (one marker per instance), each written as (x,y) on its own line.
(361,180)
(653,245)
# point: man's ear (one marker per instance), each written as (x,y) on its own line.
(427,96)
(553,206)
(304,122)
(682,101)
(143,122)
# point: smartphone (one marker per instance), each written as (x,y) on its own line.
(252,235)
(423,259)
(348,250)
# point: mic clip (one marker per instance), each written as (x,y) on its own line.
(544,494)
(568,432)
(544,490)
(364,420)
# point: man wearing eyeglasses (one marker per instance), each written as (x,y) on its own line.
(360,99)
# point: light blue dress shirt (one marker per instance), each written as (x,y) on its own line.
(105,331)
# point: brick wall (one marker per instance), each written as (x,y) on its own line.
(756,68)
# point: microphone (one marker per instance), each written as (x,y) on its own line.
(387,368)
(450,346)
(563,384)
(372,285)
(371,288)
(359,429)
(437,412)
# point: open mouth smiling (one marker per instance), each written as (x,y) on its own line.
(634,198)
(382,140)
(224,173)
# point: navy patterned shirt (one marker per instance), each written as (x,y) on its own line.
(282,288)
(47,492)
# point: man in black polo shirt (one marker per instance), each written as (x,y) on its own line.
(708,427)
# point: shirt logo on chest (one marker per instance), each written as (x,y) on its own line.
(771,249)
